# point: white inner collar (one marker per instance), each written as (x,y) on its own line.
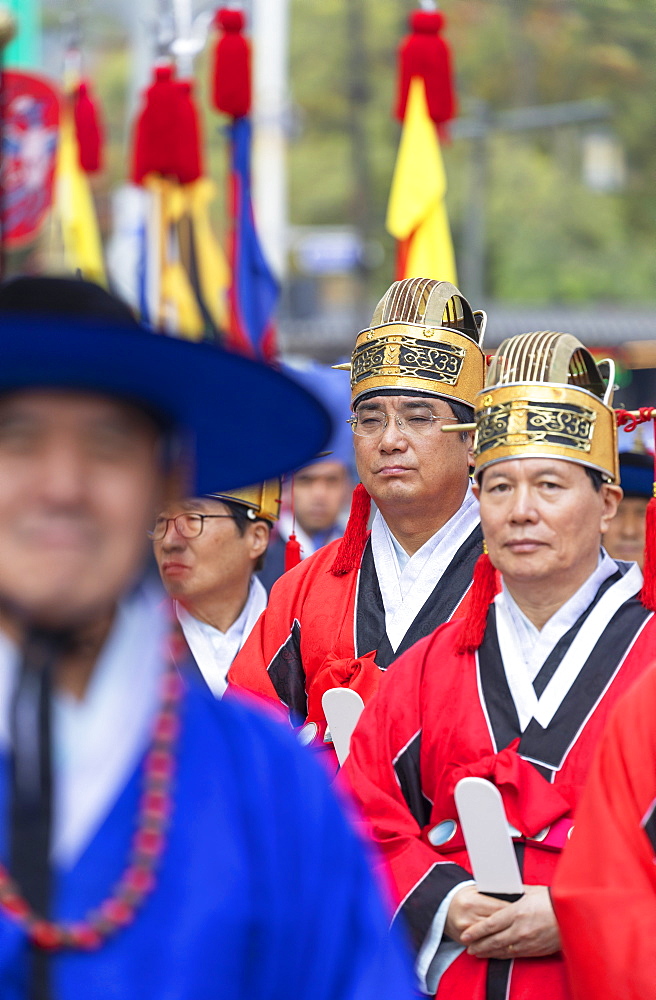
(524,648)
(406,584)
(214,650)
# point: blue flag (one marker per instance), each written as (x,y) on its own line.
(254,289)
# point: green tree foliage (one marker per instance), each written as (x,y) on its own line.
(549,237)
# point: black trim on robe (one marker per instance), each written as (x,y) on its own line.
(499,970)
(287,674)
(370,632)
(497,980)
(408,772)
(547,749)
(498,701)
(550,747)
(649,826)
(422,903)
(550,665)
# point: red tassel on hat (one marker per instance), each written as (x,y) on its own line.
(630,420)
(189,165)
(425,53)
(88,129)
(293,546)
(648,592)
(484,588)
(352,544)
(153,148)
(292,552)
(231,73)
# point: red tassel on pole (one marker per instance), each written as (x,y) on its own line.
(352,544)
(154,146)
(231,73)
(484,588)
(425,53)
(88,129)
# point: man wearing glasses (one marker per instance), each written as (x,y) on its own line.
(349,610)
(208,551)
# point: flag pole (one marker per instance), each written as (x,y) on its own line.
(7,33)
(270,35)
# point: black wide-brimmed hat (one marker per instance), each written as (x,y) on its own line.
(637,474)
(244,421)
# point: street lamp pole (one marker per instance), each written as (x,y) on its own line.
(479,128)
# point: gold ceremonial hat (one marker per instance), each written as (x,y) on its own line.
(261,500)
(545,395)
(424,337)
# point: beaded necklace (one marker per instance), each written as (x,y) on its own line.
(148,843)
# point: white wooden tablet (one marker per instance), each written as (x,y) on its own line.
(342,708)
(487,836)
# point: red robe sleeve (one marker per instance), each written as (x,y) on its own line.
(383,772)
(269,663)
(303,643)
(605,887)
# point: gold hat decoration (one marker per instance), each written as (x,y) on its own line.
(261,500)
(545,395)
(424,336)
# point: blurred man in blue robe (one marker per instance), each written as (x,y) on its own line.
(155,844)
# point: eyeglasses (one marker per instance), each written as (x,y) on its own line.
(187,525)
(372,423)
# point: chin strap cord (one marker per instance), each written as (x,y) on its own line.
(31,786)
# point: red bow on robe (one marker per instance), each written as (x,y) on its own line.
(530,801)
(361,674)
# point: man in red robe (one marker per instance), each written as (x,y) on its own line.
(518,691)
(605,888)
(343,615)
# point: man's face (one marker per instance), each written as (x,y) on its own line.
(625,538)
(79,479)
(217,562)
(410,471)
(543,520)
(320,493)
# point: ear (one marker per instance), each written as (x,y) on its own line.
(476,489)
(258,539)
(470,450)
(611,496)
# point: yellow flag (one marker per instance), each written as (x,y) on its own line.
(177,309)
(74,208)
(416,212)
(213,267)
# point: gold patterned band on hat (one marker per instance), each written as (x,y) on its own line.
(531,421)
(263,499)
(435,360)
(546,396)
(423,337)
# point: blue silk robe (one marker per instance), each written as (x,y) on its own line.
(263,891)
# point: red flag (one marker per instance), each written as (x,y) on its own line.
(29,145)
